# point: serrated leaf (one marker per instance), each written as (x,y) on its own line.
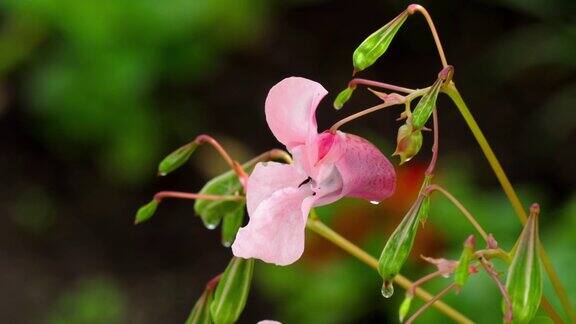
(230,225)
(232,291)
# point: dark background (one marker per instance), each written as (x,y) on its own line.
(94,94)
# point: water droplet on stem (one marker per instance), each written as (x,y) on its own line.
(374,202)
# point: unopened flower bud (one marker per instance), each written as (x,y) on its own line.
(462,271)
(343,97)
(408,142)
(232,291)
(524,280)
(376,44)
(176,159)
(145,212)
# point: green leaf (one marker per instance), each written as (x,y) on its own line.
(376,44)
(200,314)
(232,291)
(426,105)
(343,97)
(230,225)
(145,212)
(176,159)
(524,280)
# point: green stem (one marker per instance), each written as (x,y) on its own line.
(315,225)
(452,92)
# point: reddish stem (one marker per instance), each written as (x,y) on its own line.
(370,83)
(421,281)
(432,164)
(430,302)
(242,176)
(211,285)
(188,195)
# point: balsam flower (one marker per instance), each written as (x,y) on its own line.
(327,167)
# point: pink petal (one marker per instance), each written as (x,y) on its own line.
(269,177)
(275,232)
(366,172)
(269,322)
(290,110)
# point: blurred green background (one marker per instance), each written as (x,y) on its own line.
(94,93)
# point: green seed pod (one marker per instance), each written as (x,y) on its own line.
(232,291)
(405,307)
(200,314)
(425,207)
(231,223)
(408,142)
(145,212)
(426,105)
(524,280)
(461,273)
(176,159)
(343,97)
(376,44)
(398,247)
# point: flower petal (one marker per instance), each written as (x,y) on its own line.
(269,177)
(290,110)
(275,232)
(366,172)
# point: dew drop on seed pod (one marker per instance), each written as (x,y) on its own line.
(211,226)
(374,202)
(387,289)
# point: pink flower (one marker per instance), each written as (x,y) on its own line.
(327,167)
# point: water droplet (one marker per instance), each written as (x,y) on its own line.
(387,289)
(374,202)
(162,174)
(211,226)
(446,275)
(227,243)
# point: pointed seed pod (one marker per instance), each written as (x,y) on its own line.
(425,207)
(426,105)
(232,291)
(176,159)
(200,314)
(343,97)
(398,247)
(405,307)
(145,212)
(524,280)
(368,52)
(461,273)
